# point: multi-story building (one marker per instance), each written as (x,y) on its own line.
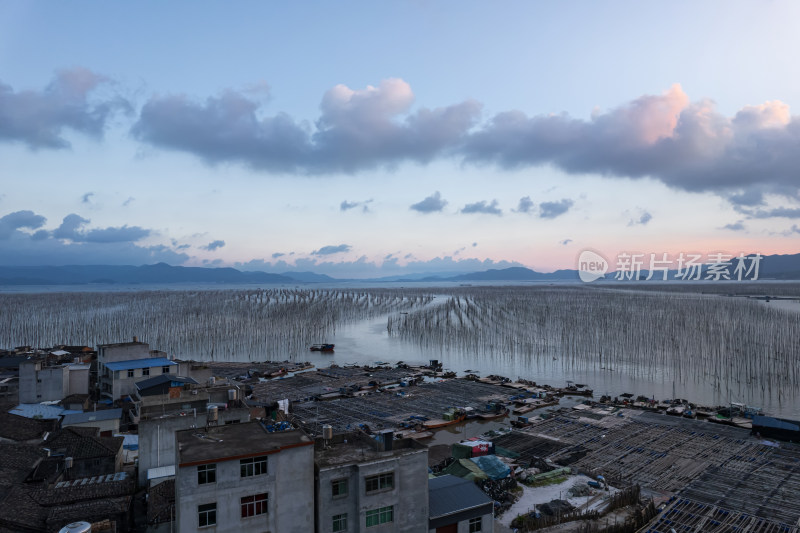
(121,365)
(241,478)
(459,506)
(369,485)
(39,382)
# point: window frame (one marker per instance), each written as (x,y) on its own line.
(146,371)
(131,373)
(210,514)
(380,482)
(247,467)
(166,369)
(477,521)
(208,474)
(339,523)
(254,505)
(380,516)
(336,488)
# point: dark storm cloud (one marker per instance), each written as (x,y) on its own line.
(554,209)
(482,207)
(431,204)
(39,118)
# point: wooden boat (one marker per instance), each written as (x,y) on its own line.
(441,422)
(322,347)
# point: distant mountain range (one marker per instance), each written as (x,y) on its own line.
(780,267)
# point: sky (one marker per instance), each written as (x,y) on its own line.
(368,139)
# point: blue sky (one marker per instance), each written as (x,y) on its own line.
(374,138)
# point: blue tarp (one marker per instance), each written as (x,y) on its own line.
(492,465)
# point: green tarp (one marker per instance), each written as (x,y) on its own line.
(466,469)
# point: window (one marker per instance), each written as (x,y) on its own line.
(382,515)
(339,523)
(255,466)
(475,524)
(130,373)
(206,474)
(339,488)
(207,514)
(380,482)
(254,505)
(145,371)
(165,369)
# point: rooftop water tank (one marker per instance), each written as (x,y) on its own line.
(327,432)
(213,413)
(233,395)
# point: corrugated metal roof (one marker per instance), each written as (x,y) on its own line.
(38,410)
(139,363)
(163,378)
(91,416)
(450,494)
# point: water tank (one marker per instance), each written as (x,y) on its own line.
(327,432)
(213,413)
(76,527)
(233,395)
(212,380)
(68,462)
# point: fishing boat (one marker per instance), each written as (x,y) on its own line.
(322,347)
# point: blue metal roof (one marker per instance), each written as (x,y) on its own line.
(91,416)
(139,363)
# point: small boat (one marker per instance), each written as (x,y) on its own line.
(322,347)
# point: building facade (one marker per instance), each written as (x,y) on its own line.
(41,383)
(368,485)
(241,478)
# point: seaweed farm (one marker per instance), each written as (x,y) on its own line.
(709,344)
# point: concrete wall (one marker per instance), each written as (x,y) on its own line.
(289,482)
(157,437)
(123,352)
(78,379)
(409,495)
(43,384)
(122,385)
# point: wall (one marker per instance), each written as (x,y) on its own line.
(409,495)
(486,527)
(123,352)
(157,437)
(48,384)
(78,380)
(289,482)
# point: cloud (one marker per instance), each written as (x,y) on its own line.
(277,255)
(356,130)
(777,212)
(565,242)
(128,202)
(329,250)
(86,198)
(109,246)
(38,118)
(736,226)
(482,207)
(474,244)
(525,205)
(641,220)
(214,245)
(72,229)
(346,206)
(19,219)
(431,204)
(554,209)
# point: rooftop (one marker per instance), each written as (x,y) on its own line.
(140,363)
(448,495)
(119,344)
(91,416)
(164,378)
(360,448)
(235,441)
(80,443)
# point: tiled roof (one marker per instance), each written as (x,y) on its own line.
(79,445)
(91,416)
(20,428)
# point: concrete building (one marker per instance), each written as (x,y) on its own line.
(375,486)
(121,365)
(41,383)
(157,434)
(241,478)
(458,506)
(106,421)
